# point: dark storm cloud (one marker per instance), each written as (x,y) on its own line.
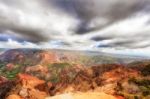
(10,20)
(31,35)
(32,20)
(131,33)
(105,11)
(99,38)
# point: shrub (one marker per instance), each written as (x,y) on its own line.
(146,70)
(144,85)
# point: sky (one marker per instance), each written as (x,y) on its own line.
(113,26)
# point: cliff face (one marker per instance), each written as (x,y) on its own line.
(87,82)
(37,74)
(28,87)
(28,57)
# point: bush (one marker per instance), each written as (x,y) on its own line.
(146,70)
(144,85)
(59,65)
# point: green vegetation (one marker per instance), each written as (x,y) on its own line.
(59,65)
(139,89)
(10,74)
(97,59)
(146,70)
(56,70)
(143,84)
(55,78)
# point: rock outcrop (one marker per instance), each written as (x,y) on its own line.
(87,95)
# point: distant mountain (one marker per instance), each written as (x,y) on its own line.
(37,56)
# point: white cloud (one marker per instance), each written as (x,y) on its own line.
(122,25)
(14,44)
(34,20)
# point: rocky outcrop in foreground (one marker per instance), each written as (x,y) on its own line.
(87,95)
